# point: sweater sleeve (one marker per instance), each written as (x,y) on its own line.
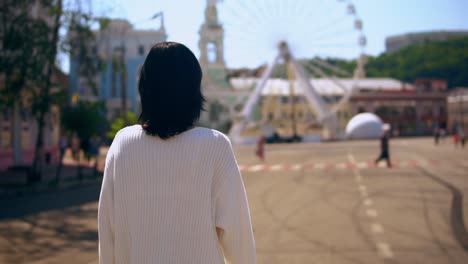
(232,210)
(106,214)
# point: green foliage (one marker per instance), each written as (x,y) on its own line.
(79,43)
(85,119)
(25,44)
(29,46)
(119,123)
(103,22)
(280,70)
(446,60)
(346,65)
(442,59)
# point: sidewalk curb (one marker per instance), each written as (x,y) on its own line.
(48,187)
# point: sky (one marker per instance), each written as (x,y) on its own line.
(253,27)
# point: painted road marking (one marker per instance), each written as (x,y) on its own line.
(352,164)
(276,167)
(358,178)
(423,163)
(368,202)
(296,167)
(362,165)
(342,165)
(256,168)
(364,192)
(384,249)
(371,213)
(377,228)
(319,166)
(403,163)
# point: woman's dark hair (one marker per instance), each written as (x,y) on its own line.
(170,90)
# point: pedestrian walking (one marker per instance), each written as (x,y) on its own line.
(63,145)
(456,139)
(436,136)
(384,146)
(462,138)
(75,147)
(172,192)
(260,151)
(94,145)
(85,147)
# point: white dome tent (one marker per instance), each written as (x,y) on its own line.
(364,126)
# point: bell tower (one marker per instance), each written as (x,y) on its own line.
(220,96)
(211,42)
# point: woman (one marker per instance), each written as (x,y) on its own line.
(172,192)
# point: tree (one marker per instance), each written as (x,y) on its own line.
(83,120)
(21,32)
(435,59)
(30,33)
(42,102)
(121,122)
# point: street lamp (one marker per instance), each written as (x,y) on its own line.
(123,66)
(161,16)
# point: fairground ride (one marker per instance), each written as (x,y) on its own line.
(316,29)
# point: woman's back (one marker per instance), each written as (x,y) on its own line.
(163,199)
(172,193)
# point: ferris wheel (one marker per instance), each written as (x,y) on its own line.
(281,32)
(312,28)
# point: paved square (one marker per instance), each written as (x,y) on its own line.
(310,203)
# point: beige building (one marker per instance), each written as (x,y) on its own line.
(410,109)
(457,103)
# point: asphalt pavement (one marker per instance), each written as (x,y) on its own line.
(310,203)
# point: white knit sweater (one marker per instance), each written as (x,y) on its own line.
(161,201)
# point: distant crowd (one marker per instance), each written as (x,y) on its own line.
(458,136)
(88,146)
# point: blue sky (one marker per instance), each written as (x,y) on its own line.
(244,47)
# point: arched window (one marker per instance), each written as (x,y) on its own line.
(211,51)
